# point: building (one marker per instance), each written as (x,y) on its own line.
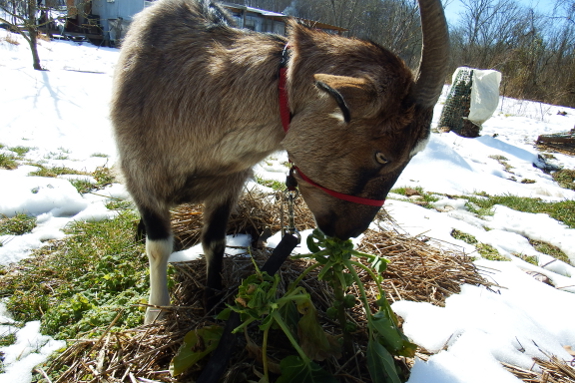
(110,19)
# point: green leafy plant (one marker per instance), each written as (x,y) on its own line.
(295,315)
(257,301)
(339,270)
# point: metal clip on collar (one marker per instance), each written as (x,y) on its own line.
(290,194)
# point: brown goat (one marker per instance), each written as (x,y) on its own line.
(195,106)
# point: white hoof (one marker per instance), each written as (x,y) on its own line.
(152,314)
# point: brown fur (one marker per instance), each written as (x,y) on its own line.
(195,106)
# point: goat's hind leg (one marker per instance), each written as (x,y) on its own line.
(214,243)
(159,247)
(216,215)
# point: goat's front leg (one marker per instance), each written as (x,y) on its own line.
(159,246)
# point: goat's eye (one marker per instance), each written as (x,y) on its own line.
(380,158)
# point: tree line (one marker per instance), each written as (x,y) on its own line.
(534,50)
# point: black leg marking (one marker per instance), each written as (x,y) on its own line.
(214,244)
(141,231)
(156,226)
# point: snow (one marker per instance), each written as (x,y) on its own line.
(62,114)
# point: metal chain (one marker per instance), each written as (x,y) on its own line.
(290,195)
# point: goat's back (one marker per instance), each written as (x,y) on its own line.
(194,98)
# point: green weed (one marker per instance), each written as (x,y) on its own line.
(100,155)
(17,225)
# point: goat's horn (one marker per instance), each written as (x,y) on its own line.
(434,54)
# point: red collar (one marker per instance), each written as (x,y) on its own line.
(286,118)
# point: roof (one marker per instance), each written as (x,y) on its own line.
(275,15)
(253,10)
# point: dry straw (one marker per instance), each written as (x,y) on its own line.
(418,272)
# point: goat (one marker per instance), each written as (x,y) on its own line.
(195,106)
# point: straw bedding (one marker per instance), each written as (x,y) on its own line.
(418,272)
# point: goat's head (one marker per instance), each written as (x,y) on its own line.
(359,116)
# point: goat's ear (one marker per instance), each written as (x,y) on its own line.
(354,96)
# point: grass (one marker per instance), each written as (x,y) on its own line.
(17,225)
(426,199)
(83,186)
(565,178)
(467,238)
(563,211)
(276,185)
(7,340)
(10,39)
(100,155)
(118,204)
(21,151)
(54,171)
(485,250)
(489,252)
(529,258)
(503,161)
(103,176)
(8,161)
(77,286)
(549,249)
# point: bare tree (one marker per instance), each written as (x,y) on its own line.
(27,17)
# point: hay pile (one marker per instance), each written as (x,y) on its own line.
(256,214)
(417,272)
(553,370)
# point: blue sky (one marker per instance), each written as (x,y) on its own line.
(455,7)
